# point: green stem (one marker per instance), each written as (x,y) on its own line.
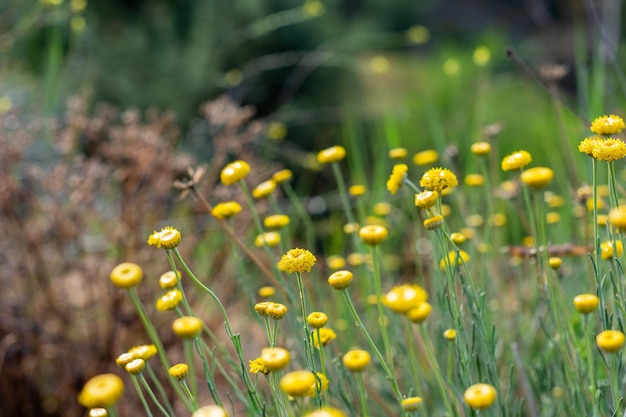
(590,368)
(192,368)
(381,313)
(133,378)
(362,395)
(410,343)
(159,388)
(146,386)
(345,201)
(185,388)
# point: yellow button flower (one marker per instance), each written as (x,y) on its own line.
(607,125)
(126,275)
(356,360)
(426,199)
(586,303)
(234,172)
(266,291)
(98,412)
(357,190)
(317,319)
(537,178)
(452,259)
(398,174)
(297,260)
(332,154)
(276,311)
(617,217)
(402,298)
(275,359)
(398,153)
(144,352)
(411,403)
(449,335)
(276,130)
(438,179)
(179,371)
(169,279)
(433,223)
(264,189)
(382,209)
(167,238)
(340,279)
(607,252)
(281,176)
(335,262)
(610,340)
(276,221)
(210,411)
(474,180)
(326,334)
(481,148)
(103,390)
(258,365)
(326,412)
(555,262)
(125,358)
(169,300)
(226,210)
(516,161)
(297,383)
(373,234)
(321,385)
(135,367)
(480,396)
(427,157)
(187,327)
(457,238)
(270,239)
(419,313)
(608,149)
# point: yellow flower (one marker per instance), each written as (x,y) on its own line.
(610,340)
(317,319)
(452,259)
(326,412)
(586,145)
(553,217)
(356,360)
(537,178)
(103,390)
(607,251)
(276,221)
(350,228)
(264,189)
(608,149)
(187,327)
(234,172)
(437,179)
(355,259)
(266,291)
(419,313)
(555,262)
(402,298)
(169,279)
(261,308)
(326,334)
(335,262)
(167,238)
(433,223)
(516,161)
(126,275)
(179,371)
(449,335)
(607,125)
(474,180)
(275,359)
(411,403)
(427,157)
(98,412)
(457,238)
(144,352)
(481,148)
(226,210)
(258,365)
(333,154)
(373,234)
(382,209)
(398,173)
(340,279)
(276,311)
(135,367)
(281,176)
(481,56)
(357,190)
(617,217)
(269,238)
(125,358)
(210,411)
(321,385)
(480,396)
(276,130)
(426,199)
(169,300)
(398,153)
(297,260)
(586,303)
(297,383)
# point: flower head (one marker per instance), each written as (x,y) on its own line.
(264,189)
(480,396)
(144,352)
(167,238)
(398,153)
(179,371)
(427,157)
(437,179)
(474,180)
(411,403)
(357,190)
(275,358)
(169,300)
(373,234)
(276,311)
(481,148)
(340,279)
(126,275)
(335,262)
(281,176)
(103,390)
(617,217)
(210,411)
(297,383)
(586,145)
(426,199)
(449,335)
(356,360)
(320,385)
(187,327)
(419,313)
(297,260)
(317,319)
(516,161)
(169,279)
(402,298)
(258,365)
(586,303)
(398,173)
(452,259)
(326,334)
(234,172)
(610,340)
(537,178)
(332,154)
(433,223)
(610,149)
(326,412)
(607,125)
(607,252)
(268,238)
(135,367)
(226,210)
(276,221)
(266,291)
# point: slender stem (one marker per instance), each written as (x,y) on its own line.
(445,396)
(185,388)
(192,367)
(309,227)
(410,343)
(362,395)
(133,378)
(179,284)
(159,387)
(156,401)
(590,368)
(345,202)
(381,313)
